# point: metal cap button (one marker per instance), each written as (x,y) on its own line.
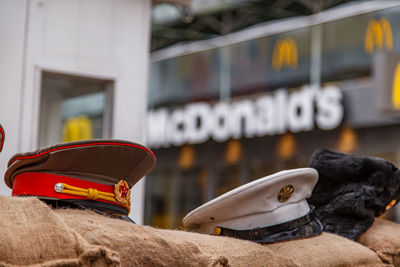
(58,187)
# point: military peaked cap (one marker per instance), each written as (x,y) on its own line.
(97,173)
(270,209)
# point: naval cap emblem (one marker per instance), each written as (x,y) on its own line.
(285,193)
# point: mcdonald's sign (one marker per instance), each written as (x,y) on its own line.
(396,88)
(284,54)
(378,35)
(77,128)
(386,82)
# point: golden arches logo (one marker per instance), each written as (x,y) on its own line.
(77,128)
(378,34)
(396,88)
(284,54)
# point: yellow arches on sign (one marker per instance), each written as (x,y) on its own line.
(378,34)
(284,54)
(396,88)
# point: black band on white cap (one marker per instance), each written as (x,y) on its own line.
(306,226)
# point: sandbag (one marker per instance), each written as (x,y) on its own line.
(140,245)
(32,235)
(327,250)
(383,237)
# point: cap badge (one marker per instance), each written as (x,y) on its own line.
(285,193)
(217,231)
(122,192)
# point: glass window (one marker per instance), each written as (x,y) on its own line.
(73,108)
(183,79)
(229,177)
(343,55)
(253,66)
(348,44)
(192,192)
(170,195)
(159,199)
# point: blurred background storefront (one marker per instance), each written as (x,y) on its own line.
(230,109)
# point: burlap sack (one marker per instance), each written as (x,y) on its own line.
(384,238)
(327,250)
(147,246)
(32,235)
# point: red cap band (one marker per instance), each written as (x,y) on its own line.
(3,137)
(42,184)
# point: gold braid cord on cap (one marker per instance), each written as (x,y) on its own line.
(121,195)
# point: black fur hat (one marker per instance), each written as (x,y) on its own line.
(352,190)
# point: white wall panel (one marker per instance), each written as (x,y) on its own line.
(59,22)
(12,30)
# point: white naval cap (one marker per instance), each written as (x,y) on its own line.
(274,200)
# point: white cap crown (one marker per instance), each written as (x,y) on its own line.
(271,200)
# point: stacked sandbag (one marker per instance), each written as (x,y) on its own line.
(31,234)
(383,237)
(147,246)
(327,250)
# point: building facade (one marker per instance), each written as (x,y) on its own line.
(229,110)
